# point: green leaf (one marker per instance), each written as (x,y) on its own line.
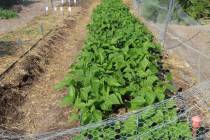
(184,130)
(130,124)
(137,102)
(119,97)
(128,76)
(148,45)
(150,81)
(145,63)
(95,84)
(160,93)
(170,87)
(150,98)
(84,92)
(112,82)
(133,87)
(158,117)
(157,134)
(70,97)
(148,112)
(112,100)
(67,81)
(97,115)
(86,116)
(170,103)
(101,55)
(79,104)
(73,117)
(169,77)
(119,76)
(78,137)
(106,106)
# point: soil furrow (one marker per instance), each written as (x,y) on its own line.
(29,102)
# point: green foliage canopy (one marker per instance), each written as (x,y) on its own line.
(196,8)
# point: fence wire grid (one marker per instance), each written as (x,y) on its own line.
(180,34)
(169,119)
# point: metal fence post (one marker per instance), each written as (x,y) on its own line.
(167,21)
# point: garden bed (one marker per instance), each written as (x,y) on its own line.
(120,67)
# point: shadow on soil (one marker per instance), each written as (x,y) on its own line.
(7,48)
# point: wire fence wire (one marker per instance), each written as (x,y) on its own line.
(169,119)
(179,33)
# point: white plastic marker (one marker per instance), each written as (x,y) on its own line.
(55,8)
(69,9)
(61,9)
(46,10)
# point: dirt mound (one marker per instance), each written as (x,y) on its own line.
(27,96)
(24,73)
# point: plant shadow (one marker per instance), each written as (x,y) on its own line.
(28,2)
(7,48)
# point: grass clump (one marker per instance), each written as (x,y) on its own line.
(7,14)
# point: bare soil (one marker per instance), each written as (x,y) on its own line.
(16,44)
(195,50)
(29,102)
(29,11)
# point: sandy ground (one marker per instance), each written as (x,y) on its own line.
(41,111)
(195,48)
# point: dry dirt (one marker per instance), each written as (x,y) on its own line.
(29,102)
(16,44)
(29,11)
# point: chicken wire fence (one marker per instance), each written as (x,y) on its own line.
(180,34)
(169,119)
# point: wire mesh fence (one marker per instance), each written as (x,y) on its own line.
(179,33)
(169,119)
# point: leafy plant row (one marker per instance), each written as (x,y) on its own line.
(6,14)
(157,10)
(196,8)
(153,123)
(119,67)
